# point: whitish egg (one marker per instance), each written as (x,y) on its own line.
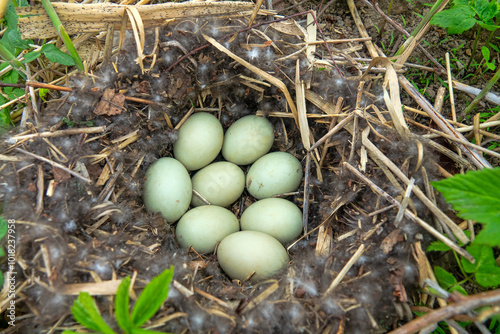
(203,227)
(199,142)
(275,173)
(243,253)
(248,139)
(220,183)
(167,189)
(277,217)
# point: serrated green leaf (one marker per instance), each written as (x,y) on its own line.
(85,311)
(30,56)
(145,331)
(476,196)
(455,20)
(445,279)
(152,297)
(15,93)
(489,278)
(122,305)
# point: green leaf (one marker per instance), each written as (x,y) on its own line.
(455,20)
(57,56)
(122,304)
(437,246)
(68,332)
(488,26)
(486,10)
(42,93)
(15,93)
(458,289)
(485,269)
(3,228)
(30,56)
(486,53)
(1,278)
(152,297)
(85,311)
(476,196)
(11,77)
(144,331)
(491,66)
(5,120)
(445,279)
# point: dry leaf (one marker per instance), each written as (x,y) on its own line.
(111,103)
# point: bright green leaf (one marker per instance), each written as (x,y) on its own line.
(30,56)
(438,246)
(85,311)
(476,196)
(152,297)
(57,56)
(43,92)
(445,279)
(455,20)
(486,53)
(122,304)
(491,66)
(68,332)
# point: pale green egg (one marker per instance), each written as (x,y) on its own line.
(248,139)
(220,183)
(203,227)
(167,189)
(275,173)
(242,253)
(277,217)
(199,142)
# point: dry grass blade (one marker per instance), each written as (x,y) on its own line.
(276,82)
(411,215)
(94,289)
(345,269)
(416,190)
(301,108)
(446,127)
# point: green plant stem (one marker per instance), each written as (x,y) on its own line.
(474,47)
(12,60)
(63,34)
(439,5)
(485,90)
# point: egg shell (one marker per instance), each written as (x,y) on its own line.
(167,189)
(199,141)
(245,252)
(248,139)
(203,227)
(277,217)
(274,173)
(220,183)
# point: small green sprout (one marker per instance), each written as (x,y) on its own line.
(86,312)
